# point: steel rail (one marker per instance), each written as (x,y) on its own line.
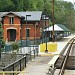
(66,57)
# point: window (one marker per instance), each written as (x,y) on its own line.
(27,32)
(11,20)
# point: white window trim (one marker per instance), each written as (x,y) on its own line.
(10,15)
(11,19)
(28,28)
(11,28)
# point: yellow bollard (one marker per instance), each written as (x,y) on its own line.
(42,47)
(51,47)
(3,73)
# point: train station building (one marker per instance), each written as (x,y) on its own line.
(19,25)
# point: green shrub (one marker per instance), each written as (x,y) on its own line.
(15,46)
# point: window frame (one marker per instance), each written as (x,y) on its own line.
(27,32)
(11,20)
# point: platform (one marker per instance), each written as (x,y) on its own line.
(60,45)
(40,66)
(52,62)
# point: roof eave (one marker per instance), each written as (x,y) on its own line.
(11,13)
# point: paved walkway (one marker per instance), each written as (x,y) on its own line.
(39,66)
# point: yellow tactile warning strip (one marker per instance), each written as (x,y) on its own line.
(47,54)
(11,72)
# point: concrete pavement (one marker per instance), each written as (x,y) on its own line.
(38,66)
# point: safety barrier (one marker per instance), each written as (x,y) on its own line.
(51,47)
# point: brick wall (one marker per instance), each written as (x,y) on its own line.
(7,26)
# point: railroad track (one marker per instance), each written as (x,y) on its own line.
(66,60)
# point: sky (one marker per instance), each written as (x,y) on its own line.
(70,1)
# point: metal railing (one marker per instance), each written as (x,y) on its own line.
(20,64)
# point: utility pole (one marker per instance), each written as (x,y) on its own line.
(74,4)
(70,20)
(53,20)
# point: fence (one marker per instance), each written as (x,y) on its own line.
(8,48)
(20,64)
(22,43)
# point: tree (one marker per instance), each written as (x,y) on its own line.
(1,40)
(68,9)
(63,10)
(32,5)
(40,5)
(15,47)
(47,9)
(6,5)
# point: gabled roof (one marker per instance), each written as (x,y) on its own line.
(57,27)
(35,15)
(6,13)
(63,27)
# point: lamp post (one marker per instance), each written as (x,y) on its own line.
(44,18)
(53,20)
(26,28)
(42,36)
(22,20)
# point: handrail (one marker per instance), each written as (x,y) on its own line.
(15,62)
(19,61)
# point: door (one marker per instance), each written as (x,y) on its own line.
(11,34)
